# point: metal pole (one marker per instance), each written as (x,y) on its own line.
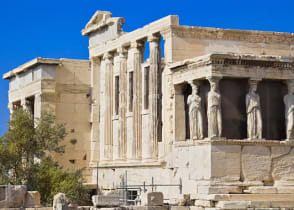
(126,186)
(152,183)
(181,186)
(97,179)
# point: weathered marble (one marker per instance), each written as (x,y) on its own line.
(195,113)
(254,120)
(130,111)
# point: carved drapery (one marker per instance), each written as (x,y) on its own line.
(214,115)
(289,110)
(253,110)
(195,113)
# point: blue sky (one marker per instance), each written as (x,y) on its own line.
(52,28)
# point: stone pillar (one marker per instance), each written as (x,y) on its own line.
(95,78)
(155,94)
(137,102)
(37,105)
(122,136)
(214,112)
(25,104)
(106,108)
(253,110)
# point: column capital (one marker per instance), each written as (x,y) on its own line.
(107,56)
(254,79)
(153,38)
(95,59)
(136,44)
(289,83)
(214,79)
(122,52)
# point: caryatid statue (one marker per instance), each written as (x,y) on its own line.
(289,111)
(195,113)
(254,120)
(214,115)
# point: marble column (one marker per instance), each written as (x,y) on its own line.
(155,94)
(106,108)
(37,105)
(214,112)
(195,112)
(25,104)
(122,136)
(137,102)
(289,111)
(95,77)
(253,110)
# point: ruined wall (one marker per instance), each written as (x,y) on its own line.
(72,105)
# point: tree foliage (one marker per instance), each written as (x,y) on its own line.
(24,157)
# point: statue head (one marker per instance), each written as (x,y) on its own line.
(194,86)
(213,83)
(290,84)
(252,85)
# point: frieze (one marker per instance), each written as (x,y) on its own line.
(232,35)
(217,61)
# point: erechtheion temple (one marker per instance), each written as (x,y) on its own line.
(210,110)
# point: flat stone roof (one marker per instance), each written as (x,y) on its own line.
(36,61)
(24,67)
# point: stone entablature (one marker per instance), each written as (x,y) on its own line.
(233,65)
(232,34)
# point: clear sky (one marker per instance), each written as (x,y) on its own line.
(52,28)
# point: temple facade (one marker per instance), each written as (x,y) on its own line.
(201,114)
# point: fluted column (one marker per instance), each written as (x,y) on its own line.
(122,136)
(106,108)
(155,94)
(95,102)
(137,102)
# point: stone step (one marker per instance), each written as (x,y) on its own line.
(243,197)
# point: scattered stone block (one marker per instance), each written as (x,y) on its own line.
(232,204)
(105,201)
(203,203)
(60,202)
(12,196)
(155,199)
(179,208)
(262,190)
(32,199)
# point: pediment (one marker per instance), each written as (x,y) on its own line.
(99,20)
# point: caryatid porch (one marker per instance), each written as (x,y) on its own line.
(234,110)
(251,92)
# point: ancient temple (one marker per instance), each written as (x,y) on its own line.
(209,109)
